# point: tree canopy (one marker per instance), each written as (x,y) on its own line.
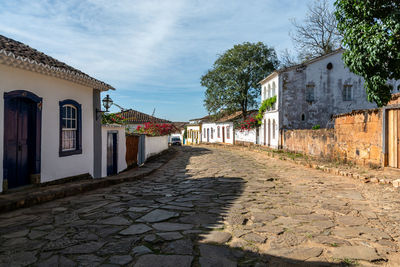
(371,31)
(232,82)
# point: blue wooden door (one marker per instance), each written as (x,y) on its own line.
(142,149)
(112,153)
(19,140)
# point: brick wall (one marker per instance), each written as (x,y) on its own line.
(357,137)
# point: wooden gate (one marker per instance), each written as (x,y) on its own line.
(132,147)
(393,138)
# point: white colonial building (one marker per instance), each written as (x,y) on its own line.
(308,95)
(50,127)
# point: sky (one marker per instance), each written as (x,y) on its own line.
(153,52)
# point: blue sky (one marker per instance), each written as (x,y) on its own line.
(152,51)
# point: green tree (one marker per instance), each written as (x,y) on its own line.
(371,31)
(232,83)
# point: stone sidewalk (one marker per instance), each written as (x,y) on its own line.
(43,193)
(365,174)
(212,207)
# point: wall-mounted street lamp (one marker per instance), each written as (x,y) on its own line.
(107,103)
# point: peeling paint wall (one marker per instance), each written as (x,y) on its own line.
(327,77)
(357,137)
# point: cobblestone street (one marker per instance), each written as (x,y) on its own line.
(212,206)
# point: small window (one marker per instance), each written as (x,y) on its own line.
(228,133)
(303,117)
(347,92)
(205,133)
(218,132)
(310,97)
(329,66)
(70,128)
(212,133)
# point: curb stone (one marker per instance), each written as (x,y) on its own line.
(24,199)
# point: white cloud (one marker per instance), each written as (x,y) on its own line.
(112,40)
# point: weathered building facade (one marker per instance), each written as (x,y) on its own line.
(309,95)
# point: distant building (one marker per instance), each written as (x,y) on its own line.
(136,118)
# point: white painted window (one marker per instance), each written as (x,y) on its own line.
(347,92)
(269,90)
(69,128)
(264,91)
(273,89)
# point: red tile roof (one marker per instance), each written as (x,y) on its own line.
(137,117)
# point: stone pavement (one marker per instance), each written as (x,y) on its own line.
(32,195)
(212,207)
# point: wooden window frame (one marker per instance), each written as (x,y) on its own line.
(78,138)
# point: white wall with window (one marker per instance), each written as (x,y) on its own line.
(269,129)
(226,132)
(209,132)
(53,90)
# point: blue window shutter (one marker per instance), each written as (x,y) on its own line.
(78,107)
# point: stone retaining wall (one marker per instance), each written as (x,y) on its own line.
(357,137)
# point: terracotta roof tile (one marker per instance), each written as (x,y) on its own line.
(137,117)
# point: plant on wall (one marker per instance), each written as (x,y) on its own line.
(246,124)
(154,129)
(112,118)
(267,104)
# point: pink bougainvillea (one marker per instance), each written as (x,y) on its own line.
(155,129)
(248,124)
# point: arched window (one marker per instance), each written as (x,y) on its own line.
(273,89)
(273,129)
(264,93)
(70,128)
(269,90)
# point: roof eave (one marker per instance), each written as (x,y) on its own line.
(9,59)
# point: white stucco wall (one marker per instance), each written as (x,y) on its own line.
(274,139)
(155,145)
(249,136)
(212,128)
(231,132)
(121,143)
(52,90)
